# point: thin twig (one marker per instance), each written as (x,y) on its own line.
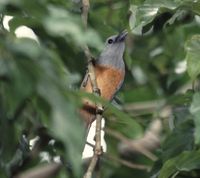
(97,148)
(90,144)
(129,164)
(145,106)
(85,10)
(91,167)
(85,80)
(99,108)
(149,141)
(41,171)
(136,147)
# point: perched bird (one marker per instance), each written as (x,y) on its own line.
(110,72)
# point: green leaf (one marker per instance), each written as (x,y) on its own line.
(65,124)
(33,70)
(18,66)
(62,23)
(179,140)
(145,13)
(177,16)
(186,161)
(140,17)
(26,47)
(192,56)
(115,118)
(124,123)
(195,110)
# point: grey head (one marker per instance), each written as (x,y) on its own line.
(112,55)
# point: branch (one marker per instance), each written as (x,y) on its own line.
(145,105)
(91,71)
(136,147)
(42,171)
(85,10)
(95,89)
(140,108)
(150,140)
(129,164)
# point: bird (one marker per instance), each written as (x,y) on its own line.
(109,70)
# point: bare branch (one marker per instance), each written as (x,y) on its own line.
(85,11)
(150,140)
(44,171)
(145,105)
(91,167)
(139,148)
(99,108)
(129,164)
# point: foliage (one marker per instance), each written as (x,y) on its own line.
(39,84)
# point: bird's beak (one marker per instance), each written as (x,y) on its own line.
(121,37)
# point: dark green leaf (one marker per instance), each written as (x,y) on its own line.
(185,161)
(181,138)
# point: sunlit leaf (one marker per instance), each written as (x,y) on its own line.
(150,9)
(144,14)
(193,52)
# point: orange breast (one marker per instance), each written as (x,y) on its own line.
(108,81)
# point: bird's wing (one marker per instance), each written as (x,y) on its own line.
(118,88)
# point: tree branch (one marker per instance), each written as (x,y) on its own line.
(41,171)
(129,164)
(135,147)
(99,108)
(150,140)
(85,10)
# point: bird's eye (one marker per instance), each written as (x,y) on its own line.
(110,41)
